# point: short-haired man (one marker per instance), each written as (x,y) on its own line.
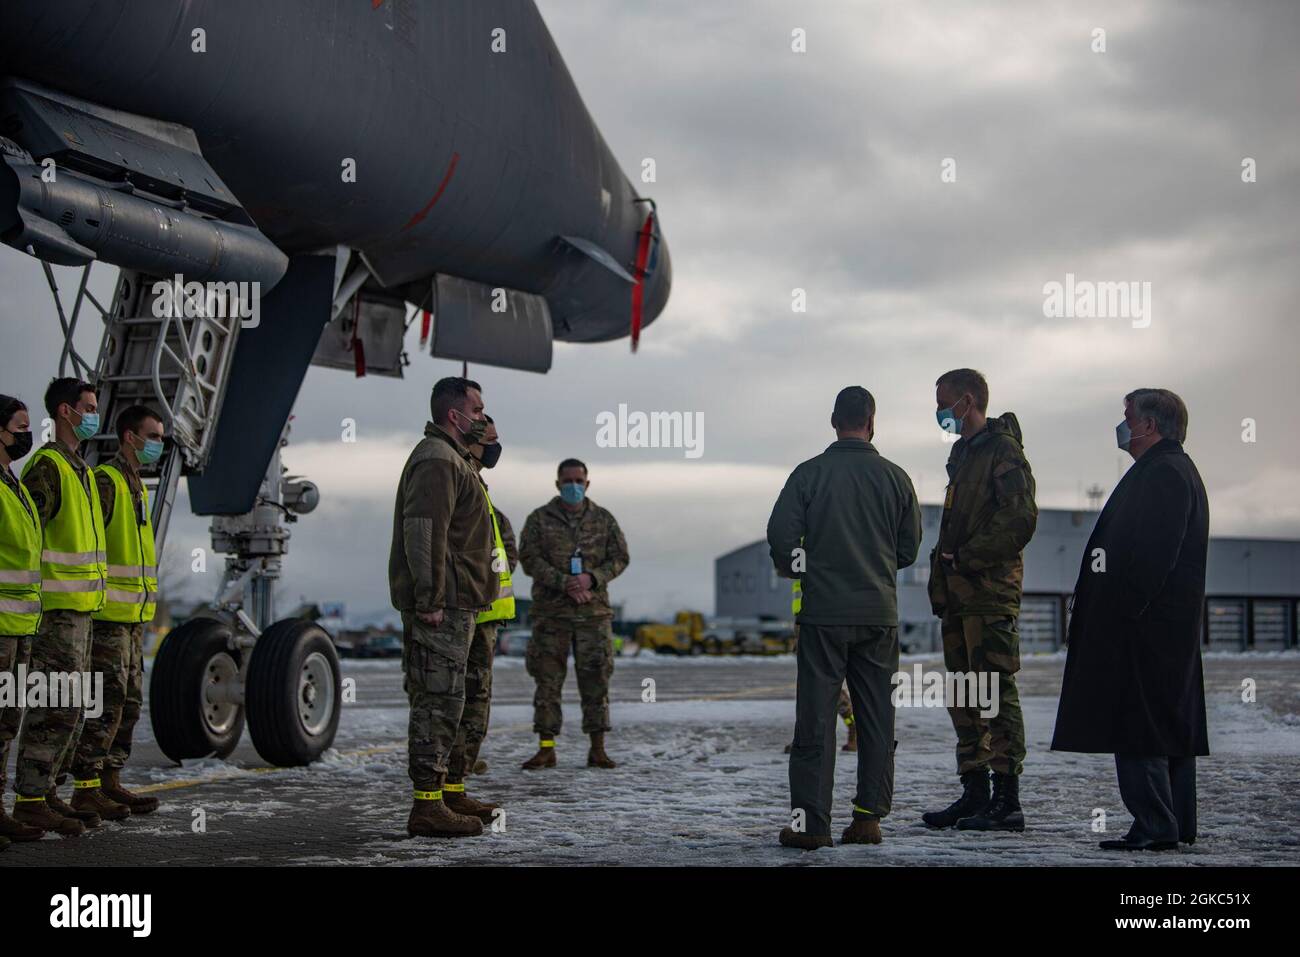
(1133,685)
(74,569)
(117,633)
(977,574)
(572,549)
(478,665)
(845,523)
(440,577)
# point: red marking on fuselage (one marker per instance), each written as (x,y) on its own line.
(376,4)
(638,289)
(418,217)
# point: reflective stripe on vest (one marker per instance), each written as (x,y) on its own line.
(503,609)
(20,562)
(132,569)
(73,561)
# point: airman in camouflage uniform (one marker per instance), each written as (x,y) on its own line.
(62,644)
(571,548)
(440,576)
(103,745)
(20,607)
(478,667)
(976,581)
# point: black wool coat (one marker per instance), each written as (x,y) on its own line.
(1133,682)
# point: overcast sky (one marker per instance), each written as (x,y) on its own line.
(821,170)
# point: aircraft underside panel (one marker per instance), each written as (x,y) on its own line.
(491,325)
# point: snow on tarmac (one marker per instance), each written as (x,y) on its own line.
(701,780)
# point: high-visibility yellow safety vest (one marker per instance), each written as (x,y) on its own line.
(73,558)
(796,603)
(20,562)
(503,609)
(132,564)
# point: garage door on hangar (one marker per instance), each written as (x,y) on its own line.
(1040,623)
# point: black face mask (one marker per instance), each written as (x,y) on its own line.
(22,445)
(491,455)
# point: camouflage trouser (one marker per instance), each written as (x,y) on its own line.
(116,652)
(478,702)
(546,659)
(14,651)
(61,646)
(987,644)
(433,671)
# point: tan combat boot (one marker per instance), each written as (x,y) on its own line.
(458,802)
(88,817)
(17,830)
(480,767)
(87,796)
(544,758)
(111,788)
(852,743)
(865,829)
(430,817)
(38,813)
(596,757)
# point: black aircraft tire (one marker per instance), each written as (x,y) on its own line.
(193,657)
(293,693)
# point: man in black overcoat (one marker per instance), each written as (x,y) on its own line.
(1133,685)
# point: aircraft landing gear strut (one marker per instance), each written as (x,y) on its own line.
(240,664)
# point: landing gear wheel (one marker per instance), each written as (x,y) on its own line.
(193,692)
(293,691)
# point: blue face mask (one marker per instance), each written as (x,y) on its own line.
(88,426)
(1124,435)
(948,420)
(151,453)
(572,493)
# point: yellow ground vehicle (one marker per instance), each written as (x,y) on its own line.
(690,635)
(684,637)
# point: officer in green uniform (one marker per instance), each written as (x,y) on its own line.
(73,575)
(117,632)
(20,587)
(976,580)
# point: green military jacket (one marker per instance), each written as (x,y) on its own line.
(550,535)
(442,535)
(989,517)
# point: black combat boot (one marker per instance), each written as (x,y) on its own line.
(974,798)
(1003,812)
